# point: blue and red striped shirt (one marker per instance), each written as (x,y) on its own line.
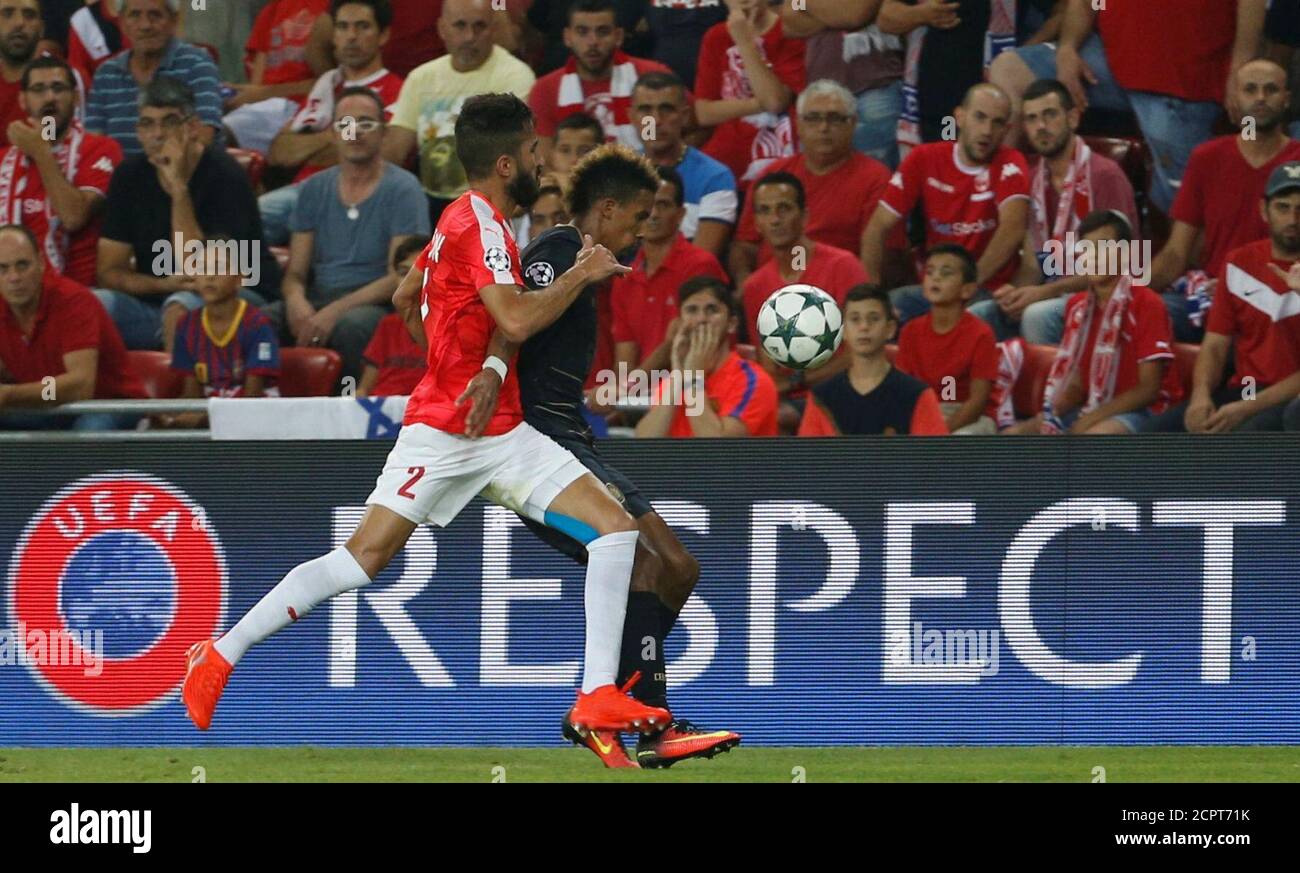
(223,364)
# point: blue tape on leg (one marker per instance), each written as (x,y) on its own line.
(580,531)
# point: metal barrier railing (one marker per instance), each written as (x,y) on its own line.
(116,407)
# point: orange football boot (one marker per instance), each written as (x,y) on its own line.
(206,674)
(608,709)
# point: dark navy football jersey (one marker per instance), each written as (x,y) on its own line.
(887,409)
(553,365)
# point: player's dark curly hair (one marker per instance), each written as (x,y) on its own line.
(613,171)
(489,126)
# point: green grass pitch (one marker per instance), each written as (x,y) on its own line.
(853,764)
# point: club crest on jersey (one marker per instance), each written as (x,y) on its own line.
(496,259)
(127,555)
(540,274)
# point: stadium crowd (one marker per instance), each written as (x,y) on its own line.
(929,163)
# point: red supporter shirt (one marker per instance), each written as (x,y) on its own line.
(414,38)
(1201,30)
(281,32)
(748,145)
(840,203)
(471,249)
(947,362)
(1111,189)
(1220,194)
(397,356)
(961,202)
(10,109)
(1261,314)
(833,270)
(97,157)
(645,304)
(598,98)
(1147,335)
(739,389)
(69,318)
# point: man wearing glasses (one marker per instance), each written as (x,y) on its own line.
(346,225)
(161,204)
(842,186)
(150,27)
(55,176)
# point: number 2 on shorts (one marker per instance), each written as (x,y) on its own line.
(417,473)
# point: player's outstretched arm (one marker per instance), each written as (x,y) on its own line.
(519,315)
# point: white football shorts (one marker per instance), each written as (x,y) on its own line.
(431,475)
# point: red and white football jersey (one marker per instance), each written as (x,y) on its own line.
(960,201)
(471,248)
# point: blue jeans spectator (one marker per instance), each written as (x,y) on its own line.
(276,208)
(1172,127)
(139,319)
(876,133)
(1042,323)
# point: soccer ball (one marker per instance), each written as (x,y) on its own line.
(800,326)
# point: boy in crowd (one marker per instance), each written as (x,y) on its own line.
(574,137)
(1112,370)
(871,397)
(394,361)
(227,347)
(949,349)
(739,398)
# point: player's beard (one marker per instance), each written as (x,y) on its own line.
(524,189)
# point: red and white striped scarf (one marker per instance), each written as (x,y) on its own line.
(1000,37)
(1100,383)
(14,169)
(615,116)
(1074,203)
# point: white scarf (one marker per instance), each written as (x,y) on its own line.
(14,169)
(1074,203)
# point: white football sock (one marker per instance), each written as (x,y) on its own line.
(297,594)
(609,576)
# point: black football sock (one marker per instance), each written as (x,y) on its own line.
(643,649)
(667,618)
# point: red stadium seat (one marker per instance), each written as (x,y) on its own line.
(160,381)
(1130,154)
(1185,360)
(309,372)
(254,164)
(1028,393)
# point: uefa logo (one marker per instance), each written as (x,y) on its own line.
(130,556)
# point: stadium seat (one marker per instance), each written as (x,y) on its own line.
(1129,153)
(1185,360)
(1028,393)
(154,370)
(309,372)
(254,164)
